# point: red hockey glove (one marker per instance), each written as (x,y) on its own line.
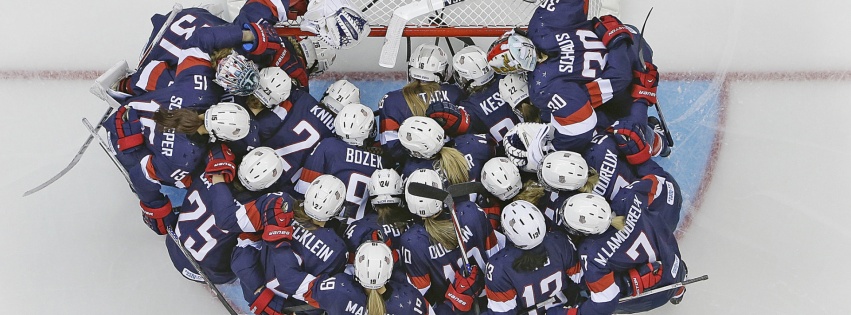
(261,303)
(462,294)
(611,30)
(159,218)
(265,38)
(644,277)
(274,233)
(452,118)
(644,84)
(220,161)
(128,129)
(631,143)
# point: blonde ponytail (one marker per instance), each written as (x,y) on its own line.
(619,222)
(593,178)
(454,165)
(412,91)
(375,304)
(441,232)
(531,191)
(219,55)
(301,217)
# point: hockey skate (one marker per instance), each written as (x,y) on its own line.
(660,146)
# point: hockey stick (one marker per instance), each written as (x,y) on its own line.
(109,152)
(665,288)
(668,137)
(401,16)
(197,267)
(99,89)
(174,9)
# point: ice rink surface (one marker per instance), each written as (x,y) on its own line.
(766,222)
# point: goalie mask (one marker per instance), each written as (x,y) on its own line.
(563,170)
(275,86)
(324,198)
(501,178)
(227,122)
(318,55)
(514,89)
(260,168)
(421,206)
(237,75)
(512,53)
(428,63)
(339,94)
(586,214)
(523,224)
(373,264)
(385,187)
(421,136)
(471,67)
(354,124)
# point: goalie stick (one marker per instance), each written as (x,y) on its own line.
(668,137)
(197,267)
(401,16)
(108,150)
(99,89)
(174,9)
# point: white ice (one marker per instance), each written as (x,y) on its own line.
(770,233)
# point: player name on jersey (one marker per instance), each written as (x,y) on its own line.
(312,243)
(324,116)
(607,169)
(616,240)
(363,158)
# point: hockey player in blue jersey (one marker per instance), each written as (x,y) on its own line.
(431,252)
(388,220)
(514,90)
(211,218)
(373,267)
(502,180)
(536,271)
(347,158)
(423,139)
(165,147)
(428,69)
(623,256)
(339,94)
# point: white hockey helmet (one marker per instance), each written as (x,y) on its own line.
(514,89)
(260,168)
(512,53)
(421,206)
(275,86)
(523,224)
(385,187)
(227,121)
(421,136)
(501,178)
(324,198)
(586,214)
(237,75)
(354,124)
(373,264)
(318,55)
(563,170)
(471,67)
(339,94)
(429,63)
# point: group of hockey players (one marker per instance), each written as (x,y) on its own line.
(310,203)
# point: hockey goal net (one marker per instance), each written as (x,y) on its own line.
(469,18)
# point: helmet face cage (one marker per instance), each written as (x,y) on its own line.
(373,264)
(237,75)
(260,168)
(227,122)
(512,53)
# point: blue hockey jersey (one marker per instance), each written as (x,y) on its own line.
(352,165)
(489,113)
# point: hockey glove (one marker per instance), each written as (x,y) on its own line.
(274,233)
(643,277)
(527,143)
(611,30)
(128,129)
(452,118)
(220,161)
(644,84)
(158,219)
(265,38)
(631,143)
(462,294)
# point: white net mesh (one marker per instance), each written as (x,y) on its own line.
(469,13)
